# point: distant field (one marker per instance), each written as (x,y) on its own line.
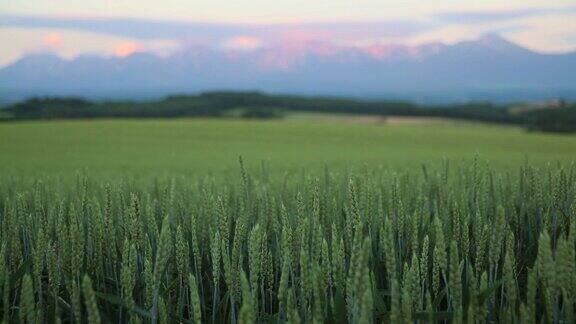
(203,145)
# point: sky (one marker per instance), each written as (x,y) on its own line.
(70,28)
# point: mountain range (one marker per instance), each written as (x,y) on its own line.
(489,68)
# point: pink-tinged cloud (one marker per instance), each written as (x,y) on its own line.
(243,43)
(382,51)
(126,48)
(288,49)
(286,55)
(296,41)
(53,40)
(378,51)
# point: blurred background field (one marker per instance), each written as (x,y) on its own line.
(170,146)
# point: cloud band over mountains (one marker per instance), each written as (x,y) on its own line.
(474,17)
(152,29)
(546,29)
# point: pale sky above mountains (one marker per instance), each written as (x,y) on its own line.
(121,27)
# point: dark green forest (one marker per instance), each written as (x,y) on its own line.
(560,118)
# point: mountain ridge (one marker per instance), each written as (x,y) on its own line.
(488,64)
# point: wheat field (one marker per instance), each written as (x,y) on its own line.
(468,243)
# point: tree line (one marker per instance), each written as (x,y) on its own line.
(263,106)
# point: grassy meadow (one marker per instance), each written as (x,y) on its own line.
(346,221)
(201,146)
